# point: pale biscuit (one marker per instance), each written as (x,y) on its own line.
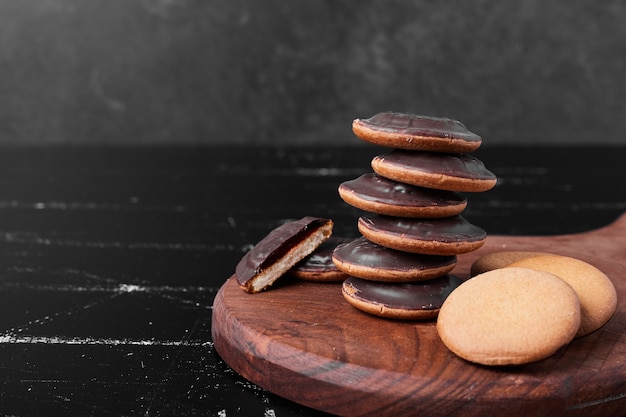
(509,316)
(500,259)
(598,298)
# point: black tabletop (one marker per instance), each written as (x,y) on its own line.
(110,259)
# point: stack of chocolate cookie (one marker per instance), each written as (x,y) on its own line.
(412,230)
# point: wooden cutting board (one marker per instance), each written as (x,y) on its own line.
(302,341)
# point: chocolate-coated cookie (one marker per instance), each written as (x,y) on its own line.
(376,194)
(364,259)
(279,251)
(319,265)
(409,301)
(452,172)
(408,131)
(448,236)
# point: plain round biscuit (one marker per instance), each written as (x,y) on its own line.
(509,316)
(496,260)
(598,298)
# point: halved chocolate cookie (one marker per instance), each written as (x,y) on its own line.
(279,251)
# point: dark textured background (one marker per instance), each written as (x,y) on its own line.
(295,72)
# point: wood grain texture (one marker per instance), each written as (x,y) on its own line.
(302,341)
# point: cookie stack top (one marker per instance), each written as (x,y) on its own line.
(412,229)
(416,133)
(414,193)
(428,151)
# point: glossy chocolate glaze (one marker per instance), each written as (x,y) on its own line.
(454,165)
(446,230)
(413,125)
(375,188)
(363,252)
(424,295)
(275,245)
(321,260)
